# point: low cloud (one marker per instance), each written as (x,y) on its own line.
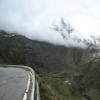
(33,18)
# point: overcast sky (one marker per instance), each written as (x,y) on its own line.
(34,18)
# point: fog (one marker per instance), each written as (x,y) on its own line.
(33,18)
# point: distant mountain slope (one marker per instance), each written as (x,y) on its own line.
(17,49)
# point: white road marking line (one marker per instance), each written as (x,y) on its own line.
(28,86)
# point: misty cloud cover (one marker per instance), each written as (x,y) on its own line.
(33,18)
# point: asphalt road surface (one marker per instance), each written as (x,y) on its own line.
(13,82)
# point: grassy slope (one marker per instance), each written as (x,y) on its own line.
(54,87)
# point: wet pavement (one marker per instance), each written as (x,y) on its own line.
(13,82)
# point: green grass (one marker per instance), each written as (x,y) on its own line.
(53,87)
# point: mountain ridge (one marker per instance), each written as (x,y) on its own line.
(42,50)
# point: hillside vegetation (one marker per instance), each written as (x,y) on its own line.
(64,73)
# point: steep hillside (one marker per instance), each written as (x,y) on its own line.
(63,72)
(17,49)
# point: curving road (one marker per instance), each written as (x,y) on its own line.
(13,83)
